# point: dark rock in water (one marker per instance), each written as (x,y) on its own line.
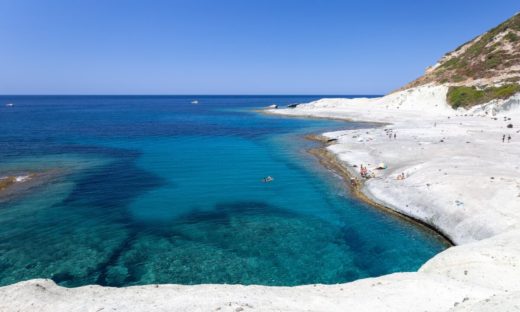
(7,182)
(292,105)
(331,140)
(510,126)
(15,185)
(274,106)
(62,277)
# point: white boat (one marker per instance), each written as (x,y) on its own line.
(194,102)
(9,104)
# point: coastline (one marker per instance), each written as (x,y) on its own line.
(330,161)
(439,148)
(460,180)
(453,163)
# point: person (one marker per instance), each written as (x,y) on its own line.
(363,171)
(267,179)
(395,136)
(508,138)
(503,138)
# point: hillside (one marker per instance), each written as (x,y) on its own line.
(485,68)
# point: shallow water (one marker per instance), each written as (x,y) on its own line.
(159,190)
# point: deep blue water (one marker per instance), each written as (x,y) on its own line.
(159,190)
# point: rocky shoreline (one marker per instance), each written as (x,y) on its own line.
(330,161)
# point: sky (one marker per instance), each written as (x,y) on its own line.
(231,47)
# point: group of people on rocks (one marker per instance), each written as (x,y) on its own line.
(391,134)
(504,138)
(365,173)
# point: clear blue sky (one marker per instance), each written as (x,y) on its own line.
(231,47)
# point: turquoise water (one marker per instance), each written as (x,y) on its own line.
(158,190)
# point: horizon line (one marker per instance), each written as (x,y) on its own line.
(194,94)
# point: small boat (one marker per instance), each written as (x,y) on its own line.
(267,179)
(194,102)
(9,104)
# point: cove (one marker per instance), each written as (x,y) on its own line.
(155,189)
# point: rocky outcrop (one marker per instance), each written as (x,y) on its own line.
(483,69)
(489,59)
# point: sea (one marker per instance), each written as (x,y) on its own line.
(140,190)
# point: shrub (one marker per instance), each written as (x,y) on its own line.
(511,37)
(463,96)
(504,91)
(493,60)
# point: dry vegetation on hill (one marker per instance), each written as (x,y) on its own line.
(485,68)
